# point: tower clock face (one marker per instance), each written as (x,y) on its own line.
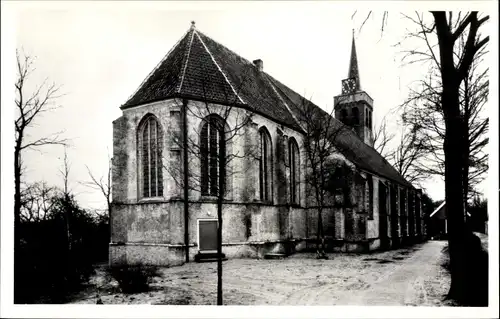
(348,86)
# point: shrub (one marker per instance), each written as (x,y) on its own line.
(132,279)
(48,266)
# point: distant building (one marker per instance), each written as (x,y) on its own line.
(268,208)
(438,223)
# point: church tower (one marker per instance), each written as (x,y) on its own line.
(354,107)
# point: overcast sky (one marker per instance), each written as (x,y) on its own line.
(99,53)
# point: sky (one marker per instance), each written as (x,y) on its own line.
(99,53)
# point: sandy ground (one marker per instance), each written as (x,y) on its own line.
(411,277)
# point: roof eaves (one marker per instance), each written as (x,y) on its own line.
(372,172)
(219,68)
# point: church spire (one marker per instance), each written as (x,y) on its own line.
(353,65)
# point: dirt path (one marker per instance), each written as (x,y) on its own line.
(401,284)
(411,276)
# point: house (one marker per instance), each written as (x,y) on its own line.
(268,207)
(438,223)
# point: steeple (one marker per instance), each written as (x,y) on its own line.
(353,65)
(354,107)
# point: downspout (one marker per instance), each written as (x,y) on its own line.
(186,180)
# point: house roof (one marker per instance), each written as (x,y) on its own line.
(199,68)
(441,206)
(438,209)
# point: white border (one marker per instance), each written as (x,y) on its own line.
(88,311)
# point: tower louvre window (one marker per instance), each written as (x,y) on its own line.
(355,116)
(343,115)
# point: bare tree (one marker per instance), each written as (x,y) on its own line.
(441,36)
(454,66)
(408,154)
(223,123)
(30,106)
(37,202)
(423,109)
(382,138)
(101,184)
(321,131)
(64,171)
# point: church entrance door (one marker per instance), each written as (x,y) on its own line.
(207,235)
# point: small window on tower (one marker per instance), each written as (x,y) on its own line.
(343,115)
(355,116)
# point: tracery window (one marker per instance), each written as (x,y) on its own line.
(294,162)
(265,165)
(150,143)
(370,196)
(212,145)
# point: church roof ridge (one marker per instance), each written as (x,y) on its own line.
(192,31)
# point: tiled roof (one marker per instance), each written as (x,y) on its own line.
(201,68)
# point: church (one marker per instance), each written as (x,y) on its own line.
(171,136)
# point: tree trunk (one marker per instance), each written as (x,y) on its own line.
(17,215)
(186,177)
(220,198)
(67,216)
(466,144)
(219,251)
(17,197)
(453,149)
(457,236)
(319,231)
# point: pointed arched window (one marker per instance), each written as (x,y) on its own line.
(370,196)
(265,165)
(294,162)
(150,150)
(212,145)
